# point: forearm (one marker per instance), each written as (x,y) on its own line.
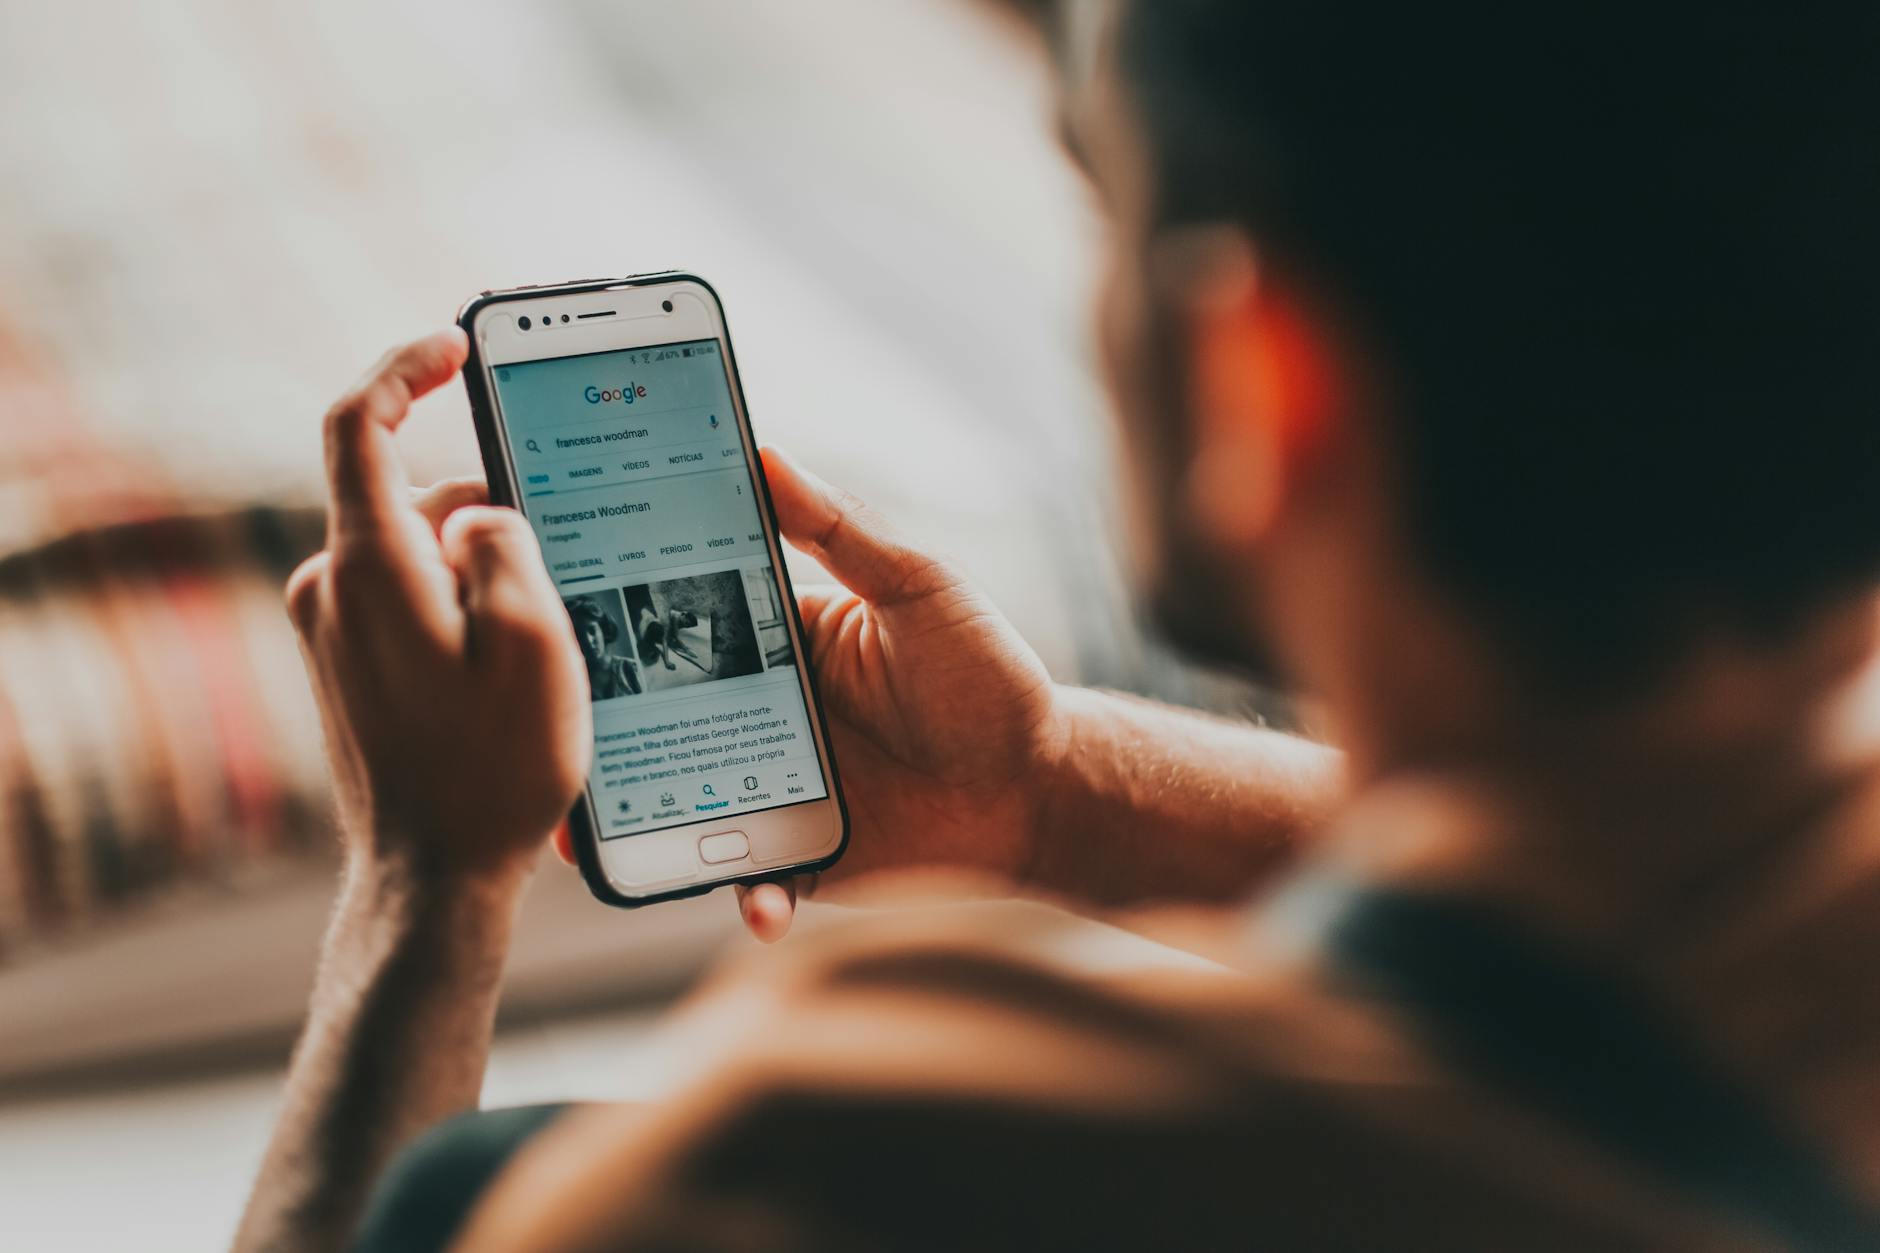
(1153,804)
(396,1040)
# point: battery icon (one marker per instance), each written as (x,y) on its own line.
(685,352)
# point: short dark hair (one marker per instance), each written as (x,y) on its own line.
(1620,263)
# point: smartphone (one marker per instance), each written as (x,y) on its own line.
(610,413)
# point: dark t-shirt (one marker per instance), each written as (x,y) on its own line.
(421,1203)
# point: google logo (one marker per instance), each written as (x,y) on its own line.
(604,396)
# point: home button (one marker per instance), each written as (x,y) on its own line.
(723,847)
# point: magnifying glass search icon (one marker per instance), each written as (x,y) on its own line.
(707,789)
(532,446)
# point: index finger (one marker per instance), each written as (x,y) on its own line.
(364,475)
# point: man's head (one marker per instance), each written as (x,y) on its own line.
(1568,322)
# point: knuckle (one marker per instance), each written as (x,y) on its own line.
(302,594)
(488,536)
(849,509)
(485,529)
(453,494)
(374,402)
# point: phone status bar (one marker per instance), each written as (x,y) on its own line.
(652,355)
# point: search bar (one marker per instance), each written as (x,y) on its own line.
(624,436)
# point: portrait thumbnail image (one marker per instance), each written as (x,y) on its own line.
(600,627)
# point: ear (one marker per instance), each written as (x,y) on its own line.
(1262,398)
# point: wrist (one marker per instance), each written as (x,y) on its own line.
(424,863)
(402,901)
(1054,776)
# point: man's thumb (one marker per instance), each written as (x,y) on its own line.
(852,541)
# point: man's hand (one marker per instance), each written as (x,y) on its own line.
(943,718)
(958,752)
(455,707)
(457,721)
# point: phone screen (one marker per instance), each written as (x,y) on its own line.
(633,474)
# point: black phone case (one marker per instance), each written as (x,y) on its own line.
(483,411)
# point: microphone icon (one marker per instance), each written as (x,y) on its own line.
(714,421)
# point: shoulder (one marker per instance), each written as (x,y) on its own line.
(1009,1077)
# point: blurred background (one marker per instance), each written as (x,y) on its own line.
(216,214)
